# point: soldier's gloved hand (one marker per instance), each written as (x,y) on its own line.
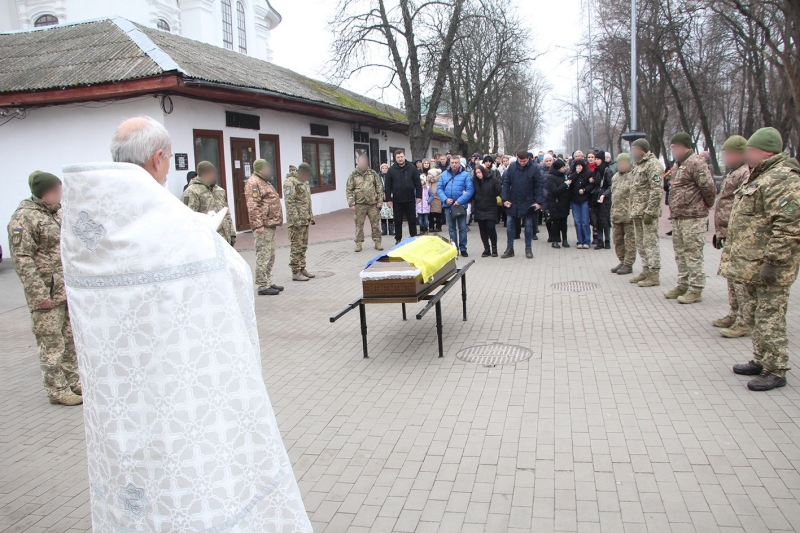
(648,219)
(233,240)
(769,274)
(313,222)
(719,243)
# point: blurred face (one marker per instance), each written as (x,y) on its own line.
(209,177)
(623,166)
(303,174)
(52,196)
(400,157)
(455,164)
(590,159)
(732,158)
(753,156)
(637,153)
(678,151)
(363,163)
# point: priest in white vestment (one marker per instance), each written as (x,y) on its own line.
(180,432)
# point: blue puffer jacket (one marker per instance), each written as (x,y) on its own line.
(454,187)
(523,187)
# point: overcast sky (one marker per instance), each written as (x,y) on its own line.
(302,43)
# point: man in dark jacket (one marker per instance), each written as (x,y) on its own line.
(523,194)
(557,187)
(403,191)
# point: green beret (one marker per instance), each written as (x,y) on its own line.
(304,166)
(204,166)
(41,182)
(642,143)
(767,139)
(258,164)
(682,138)
(624,157)
(735,143)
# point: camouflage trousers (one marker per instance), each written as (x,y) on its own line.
(624,242)
(688,240)
(298,237)
(647,244)
(363,211)
(741,308)
(768,323)
(57,358)
(265,258)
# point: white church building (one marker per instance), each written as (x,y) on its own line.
(64,88)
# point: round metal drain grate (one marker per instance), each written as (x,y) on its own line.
(323,273)
(495,354)
(575,286)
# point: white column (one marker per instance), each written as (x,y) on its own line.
(198,21)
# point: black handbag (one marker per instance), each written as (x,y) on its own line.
(458,211)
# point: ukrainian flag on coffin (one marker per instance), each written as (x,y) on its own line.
(427,253)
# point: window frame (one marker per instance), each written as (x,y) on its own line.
(278,176)
(217,134)
(317,141)
(49,22)
(227,24)
(164,22)
(241,25)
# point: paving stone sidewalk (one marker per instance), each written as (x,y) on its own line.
(626,419)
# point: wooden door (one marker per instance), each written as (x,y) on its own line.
(242,156)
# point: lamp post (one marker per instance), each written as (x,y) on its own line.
(578,96)
(633,134)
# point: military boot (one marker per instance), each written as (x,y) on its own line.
(750,368)
(691,297)
(66,397)
(269,291)
(616,268)
(680,290)
(724,322)
(766,381)
(76,389)
(307,274)
(378,246)
(358,247)
(298,276)
(640,277)
(624,270)
(736,331)
(653,279)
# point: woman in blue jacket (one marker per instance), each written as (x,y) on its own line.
(456,188)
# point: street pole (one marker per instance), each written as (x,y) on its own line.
(633,65)
(591,81)
(578,101)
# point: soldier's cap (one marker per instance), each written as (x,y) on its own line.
(304,166)
(258,164)
(735,143)
(643,144)
(205,166)
(40,182)
(682,138)
(767,139)
(624,157)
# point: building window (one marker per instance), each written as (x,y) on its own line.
(45,20)
(227,24)
(269,148)
(242,28)
(319,154)
(163,25)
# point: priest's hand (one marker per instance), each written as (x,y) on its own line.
(259,230)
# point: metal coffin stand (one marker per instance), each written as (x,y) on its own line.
(444,285)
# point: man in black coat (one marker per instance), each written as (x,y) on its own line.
(523,194)
(403,191)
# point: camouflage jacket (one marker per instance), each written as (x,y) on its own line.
(722,210)
(263,203)
(621,197)
(364,188)
(764,226)
(691,188)
(202,199)
(297,195)
(646,187)
(34,233)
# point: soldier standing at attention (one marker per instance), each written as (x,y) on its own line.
(761,252)
(365,197)
(691,194)
(203,195)
(645,210)
(734,323)
(35,236)
(622,225)
(266,214)
(299,216)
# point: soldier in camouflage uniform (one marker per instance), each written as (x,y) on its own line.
(299,216)
(691,194)
(645,210)
(762,251)
(365,197)
(266,214)
(35,236)
(622,225)
(203,195)
(735,323)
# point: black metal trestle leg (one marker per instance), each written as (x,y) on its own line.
(464,295)
(404,311)
(363,312)
(439,327)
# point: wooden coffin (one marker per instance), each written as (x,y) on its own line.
(402,288)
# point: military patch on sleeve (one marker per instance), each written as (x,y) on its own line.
(287,190)
(789,207)
(255,192)
(16,236)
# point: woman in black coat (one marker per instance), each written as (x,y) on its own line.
(580,191)
(557,186)
(484,207)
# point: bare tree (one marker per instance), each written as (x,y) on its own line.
(521,119)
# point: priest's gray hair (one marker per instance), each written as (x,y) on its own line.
(138,139)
